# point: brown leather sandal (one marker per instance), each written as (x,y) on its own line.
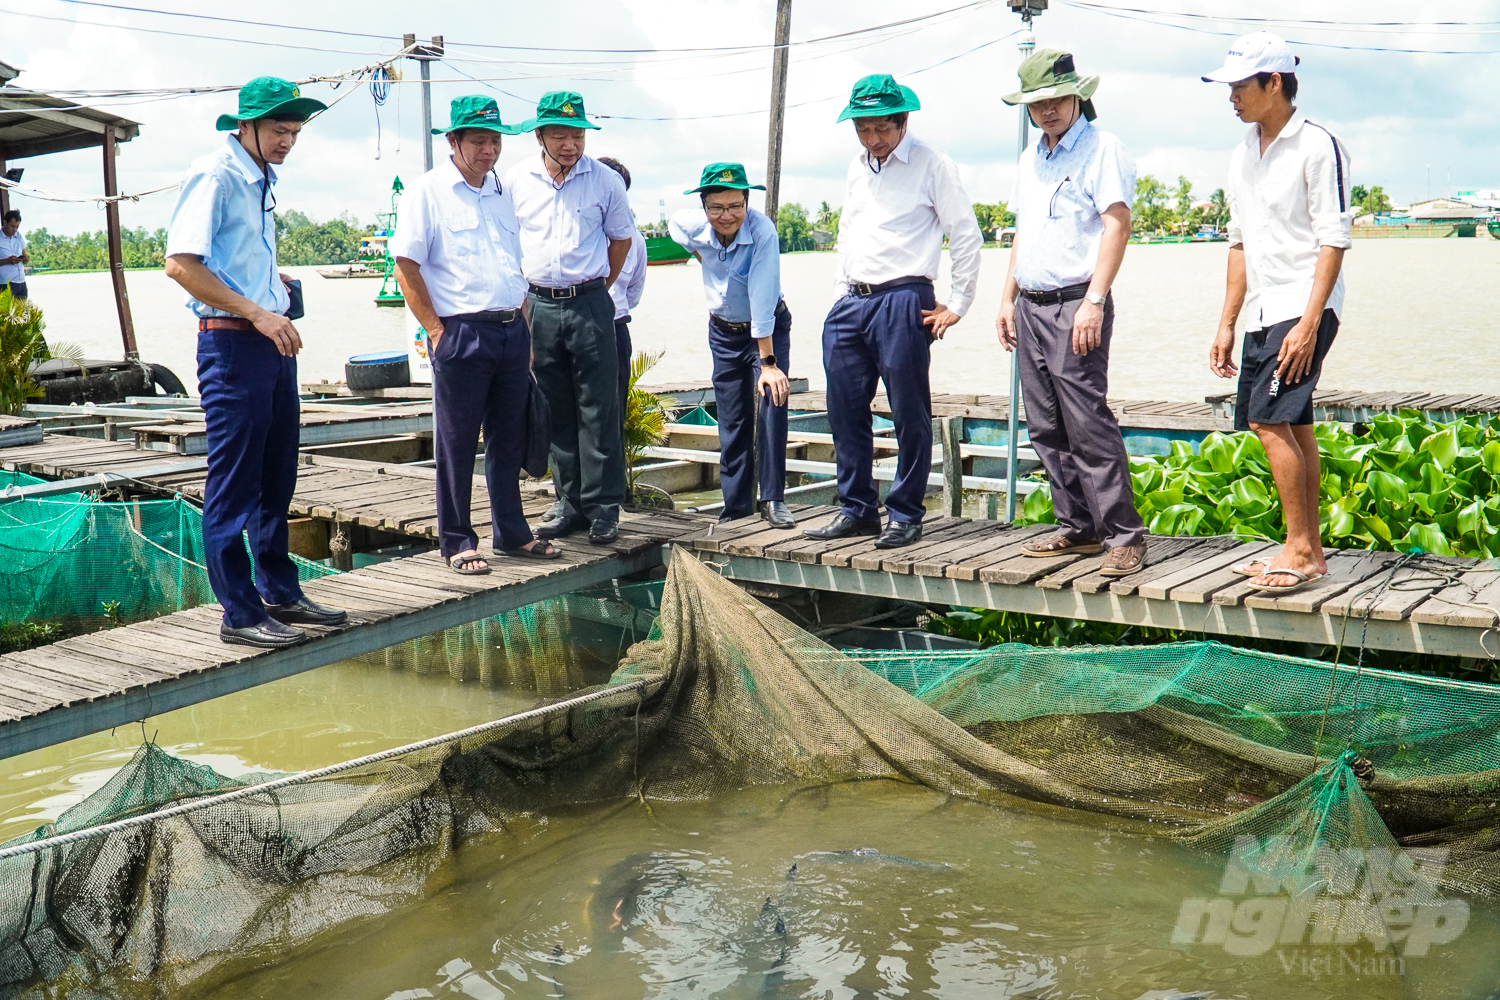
(1124,560)
(1059,544)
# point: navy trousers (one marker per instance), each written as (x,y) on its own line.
(622,353)
(480,379)
(870,339)
(249,395)
(736,373)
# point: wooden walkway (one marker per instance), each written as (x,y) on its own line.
(55,693)
(1187,584)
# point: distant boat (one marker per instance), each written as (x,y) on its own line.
(357,269)
(664,250)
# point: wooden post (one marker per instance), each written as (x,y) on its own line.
(4,193)
(116,251)
(953,465)
(778,106)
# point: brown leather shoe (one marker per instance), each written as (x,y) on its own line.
(1059,544)
(1124,560)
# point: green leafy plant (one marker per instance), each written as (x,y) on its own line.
(1405,482)
(646,414)
(21,347)
(16,636)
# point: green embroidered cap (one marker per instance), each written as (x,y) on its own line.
(476,111)
(1048,73)
(879,94)
(559,107)
(724,175)
(270,95)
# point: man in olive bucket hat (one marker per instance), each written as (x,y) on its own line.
(458,261)
(1072,203)
(749,334)
(903,197)
(576,231)
(221,248)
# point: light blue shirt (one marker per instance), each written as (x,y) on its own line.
(628,287)
(742,281)
(218,218)
(465,240)
(1059,200)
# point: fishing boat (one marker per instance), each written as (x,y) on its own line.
(354,269)
(662,249)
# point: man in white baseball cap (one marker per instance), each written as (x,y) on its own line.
(1289,225)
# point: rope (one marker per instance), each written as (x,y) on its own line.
(105,829)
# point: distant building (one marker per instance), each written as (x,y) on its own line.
(1444,210)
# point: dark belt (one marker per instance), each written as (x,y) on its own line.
(570,292)
(489,316)
(1056,295)
(225,323)
(738,328)
(864,290)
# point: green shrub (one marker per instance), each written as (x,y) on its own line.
(21,346)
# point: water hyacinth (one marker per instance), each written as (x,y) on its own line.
(1404,481)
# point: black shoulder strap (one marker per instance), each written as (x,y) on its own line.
(1338,163)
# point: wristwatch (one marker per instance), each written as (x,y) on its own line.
(769,361)
(1097,300)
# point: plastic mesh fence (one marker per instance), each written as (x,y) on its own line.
(1199,743)
(71,559)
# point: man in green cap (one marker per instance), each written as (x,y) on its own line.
(576,231)
(221,248)
(1072,203)
(749,333)
(458,261)
(903,198)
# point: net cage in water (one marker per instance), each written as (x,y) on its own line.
(84,563)
(1229,750)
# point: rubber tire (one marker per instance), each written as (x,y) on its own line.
(169,384)
(384,375)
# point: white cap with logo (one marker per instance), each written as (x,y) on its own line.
(1261,52)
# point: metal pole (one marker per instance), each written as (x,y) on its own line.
(1012,433)
(426,70)
(778,106)
(116,252)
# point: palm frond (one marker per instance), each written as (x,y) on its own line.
(68,351)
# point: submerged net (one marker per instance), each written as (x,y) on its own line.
(86,564)
(1220,748)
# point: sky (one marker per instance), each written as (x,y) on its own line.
(1419,124)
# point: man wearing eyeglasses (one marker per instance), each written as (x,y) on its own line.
(221,248)
(749,333)
(1072,205)
(903,198)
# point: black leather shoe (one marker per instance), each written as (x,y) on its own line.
(269,634)
(602,532)
(778,514)
(844,526)
(897,534)
(553,512)
(560,527)
(305,612)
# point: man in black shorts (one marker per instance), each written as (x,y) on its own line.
(1289,219)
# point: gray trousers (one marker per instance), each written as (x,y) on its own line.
(1072,429)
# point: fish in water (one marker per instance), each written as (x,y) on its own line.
(866,854)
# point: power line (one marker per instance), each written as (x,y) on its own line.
(188,34)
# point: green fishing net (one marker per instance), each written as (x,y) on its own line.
(1354,822)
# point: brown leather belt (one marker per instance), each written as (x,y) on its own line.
(225,323)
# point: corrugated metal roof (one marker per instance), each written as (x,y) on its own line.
(32,124)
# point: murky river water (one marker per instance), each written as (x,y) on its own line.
(1416,318)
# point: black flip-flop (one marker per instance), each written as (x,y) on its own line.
(552,551)
(456,564)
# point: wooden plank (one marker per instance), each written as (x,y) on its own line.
(935,533)
(1456,605)
(179,633)
(961,538)
(1201,590)
(97,644)
(194,658)
(1392,601)
(337,592)
(91,674)
(1162,558)
(1019,569)
(717,534)
(419,595)
(1232,555)
(866,545)
(1000,550)
(1346,568)
(24,673)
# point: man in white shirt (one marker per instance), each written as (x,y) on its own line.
(1072,204)
(576,233)
(1289,225)
(13,255)
(903,197)
(626,293)
(458,262)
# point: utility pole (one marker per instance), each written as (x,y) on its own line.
(778,106)
(424,54)
(1028,9)
(116,252)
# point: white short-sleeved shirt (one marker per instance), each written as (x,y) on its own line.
(565,231)
(1060,198)
(11,246)
(1284,207)
(218,218)
(894,221)
(465,240)
(627,289)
